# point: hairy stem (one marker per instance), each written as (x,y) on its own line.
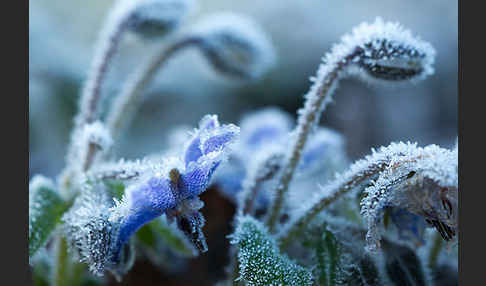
(127,102)
(336,190)
(60,275)
(435,250)
(316,100)
(107,46)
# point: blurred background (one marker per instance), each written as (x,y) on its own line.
(62,35)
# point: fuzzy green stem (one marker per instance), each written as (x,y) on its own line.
(60,275)
(127,102)
(294,227)
(308,119)
(435,250)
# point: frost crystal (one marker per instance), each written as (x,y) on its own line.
(261,263)
(235,45)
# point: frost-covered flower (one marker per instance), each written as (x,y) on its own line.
(170,187)
(265,134)
(421,181)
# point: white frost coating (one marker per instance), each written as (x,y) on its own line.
(261,262)
(88,231)
(121,170)
(423,181)
(405,51)
(94,133)
(97,134)
(397,158)
(39,181)
(235,44)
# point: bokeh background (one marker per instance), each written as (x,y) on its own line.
(62,35)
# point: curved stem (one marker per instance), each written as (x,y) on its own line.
(103,57)
(335,190)
(316,100)
(107,46)
(127,102)
(359,172)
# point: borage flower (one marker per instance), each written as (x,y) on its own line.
(264,134)
(171,187)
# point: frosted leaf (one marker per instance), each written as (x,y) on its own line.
(155,18)
(260,261)
(46,207)
(235,45)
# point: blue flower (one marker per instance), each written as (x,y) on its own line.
(173,186)
(269,130)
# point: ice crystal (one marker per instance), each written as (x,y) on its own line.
(235,45)
(261,263)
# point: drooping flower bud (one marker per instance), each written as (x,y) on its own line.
(156,18)
(235,45)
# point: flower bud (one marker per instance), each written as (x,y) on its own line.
(235,45)
(156,18)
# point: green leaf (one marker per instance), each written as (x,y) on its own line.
(116,188)
(402,265)
(327,251)
(261,262)
(363,273)
(45,210)
(159,233)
